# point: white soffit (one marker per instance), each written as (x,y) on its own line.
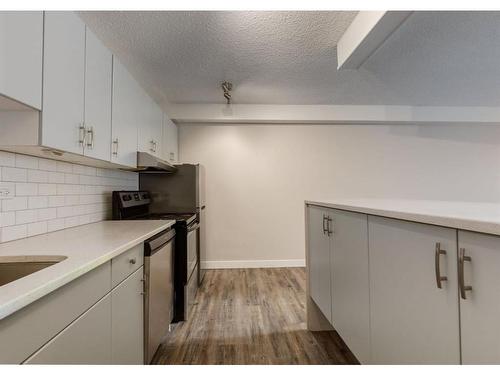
(330,114)
(367,32)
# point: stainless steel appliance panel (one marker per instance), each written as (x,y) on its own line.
(159,292)
(182,191)
(192,249)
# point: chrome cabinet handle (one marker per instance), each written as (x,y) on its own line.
(81,135)
(90,134)
(152,148)
(325,230)
(461,277)
(133,261)
(328,226)
(115,147)
(437,253)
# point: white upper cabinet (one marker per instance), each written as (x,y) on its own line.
(63,82)
(150,126)
(479,256)
(21,44)
(156,129)
(414,320)
(125,116)
(98,85)
(170,148)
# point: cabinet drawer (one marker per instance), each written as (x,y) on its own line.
(22,333)
(125,264)
(85,341)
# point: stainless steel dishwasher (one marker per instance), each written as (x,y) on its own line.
(158,290)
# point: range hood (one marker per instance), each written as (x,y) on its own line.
(150,163)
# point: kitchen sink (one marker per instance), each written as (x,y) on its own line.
(15,267)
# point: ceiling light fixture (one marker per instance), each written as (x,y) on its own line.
(226,87)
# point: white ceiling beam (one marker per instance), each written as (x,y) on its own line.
(329,114)
(367,32)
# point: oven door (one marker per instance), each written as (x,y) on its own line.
(192,248)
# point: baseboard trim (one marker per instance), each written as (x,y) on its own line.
(223,264)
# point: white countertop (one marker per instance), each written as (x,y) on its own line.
(86,247)
(473,216)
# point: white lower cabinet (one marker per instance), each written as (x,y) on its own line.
(85,341)
(127,332)
(349,280)
(413,321)
(319,260)
(480,307)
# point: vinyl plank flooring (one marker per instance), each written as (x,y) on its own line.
(251,316)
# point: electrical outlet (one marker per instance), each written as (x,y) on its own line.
(6,191)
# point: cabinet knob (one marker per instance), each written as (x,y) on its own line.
(133,261)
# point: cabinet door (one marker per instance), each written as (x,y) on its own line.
(156,129)
(63,81)
(128,321)
(412,320)
(21,44)
(124,116)
(98,81)
(170,140)
(85,341)
(350,281)
(480,310)
(144,140)
(150,126)
(319,260)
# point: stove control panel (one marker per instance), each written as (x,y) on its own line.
(133,198)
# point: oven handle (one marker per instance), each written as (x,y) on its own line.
(193,227)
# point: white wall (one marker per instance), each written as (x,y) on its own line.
(258,176)
(52,195)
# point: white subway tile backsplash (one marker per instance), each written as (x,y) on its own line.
(35,175)
(14,232)
(25,161)
(24,189)
(47,165)
(26,216)
(7,218)
(37,228)
(38,202)
(15,204)
(56,224)
(47,189)
(53,195)
(14,174)
(56,177)
(47,213)
(71,200)
(70,178)
(7,159)
(64,167)
(57,201)
(71,222)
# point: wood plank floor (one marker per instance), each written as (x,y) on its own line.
(251,316)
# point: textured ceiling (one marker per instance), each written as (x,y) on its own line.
(442,58)
(435,58)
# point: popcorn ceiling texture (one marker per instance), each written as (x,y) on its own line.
(51,195)
(435,58)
